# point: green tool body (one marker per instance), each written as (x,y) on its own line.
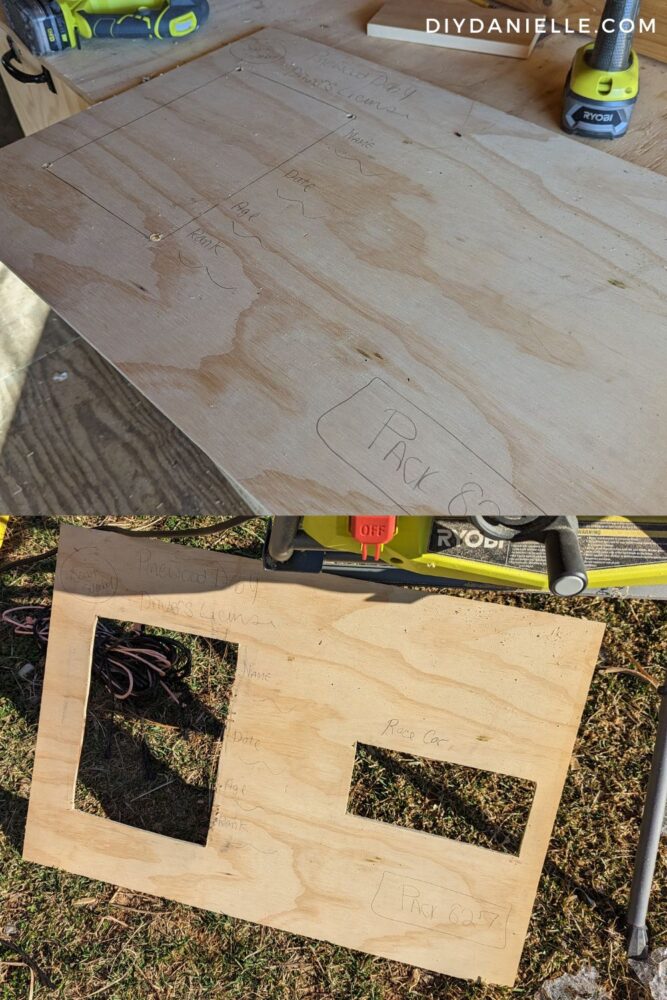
(602,85)
(49,26)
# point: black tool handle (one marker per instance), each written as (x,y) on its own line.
(10,56)
(612,49)
(169,22)
(565,566)
(125,26)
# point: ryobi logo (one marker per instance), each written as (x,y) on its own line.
(596,116)
(471,538)
(592,117)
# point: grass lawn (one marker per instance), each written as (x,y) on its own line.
(154,763)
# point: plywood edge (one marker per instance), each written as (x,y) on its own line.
(460,42)
(401,21)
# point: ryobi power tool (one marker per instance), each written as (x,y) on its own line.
(565,555)
(48,26)
(602,86)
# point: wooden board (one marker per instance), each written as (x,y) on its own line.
(371,249)
(323,664)
(652,43)
(36,105)
(193,485)
(64,408)
(134,426)
(91,443)
(456,24)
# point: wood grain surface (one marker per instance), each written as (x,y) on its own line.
(360,292)
(103,68)
(36,105)
(461,24)
(75,435)
(323,664)
(91,443)
(531,90)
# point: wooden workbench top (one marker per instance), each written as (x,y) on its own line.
(529,88)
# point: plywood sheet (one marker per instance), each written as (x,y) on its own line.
(356,291)
(322,665)
(457,24)
(105,67)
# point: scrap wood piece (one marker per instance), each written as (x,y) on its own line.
(457,24)
(324,664)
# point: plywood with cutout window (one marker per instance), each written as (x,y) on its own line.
(324,666)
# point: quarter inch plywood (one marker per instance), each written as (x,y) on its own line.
(356,291)
(457,24)
(322,664)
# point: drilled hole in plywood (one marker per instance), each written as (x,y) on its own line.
(150,760)
(461,803)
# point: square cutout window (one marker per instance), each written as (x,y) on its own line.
(156,713)
(437,797)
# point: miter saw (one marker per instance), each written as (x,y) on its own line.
(617,556)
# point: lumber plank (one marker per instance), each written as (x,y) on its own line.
(90,442)
(322,665)
(457,24)
(351,268)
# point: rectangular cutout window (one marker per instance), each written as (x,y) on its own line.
(153,736)
(449,800)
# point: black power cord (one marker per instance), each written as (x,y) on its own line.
(213,529)
(131,662)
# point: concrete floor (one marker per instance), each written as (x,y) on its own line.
(75,437)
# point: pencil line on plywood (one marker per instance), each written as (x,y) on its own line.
(119,128)
(302,92)
(255,180)
(441,425)
(140,232)
(287,160)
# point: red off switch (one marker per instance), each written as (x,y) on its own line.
(372,531)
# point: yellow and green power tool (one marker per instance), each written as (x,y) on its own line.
(615,556)
(602,86)
(48,26)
